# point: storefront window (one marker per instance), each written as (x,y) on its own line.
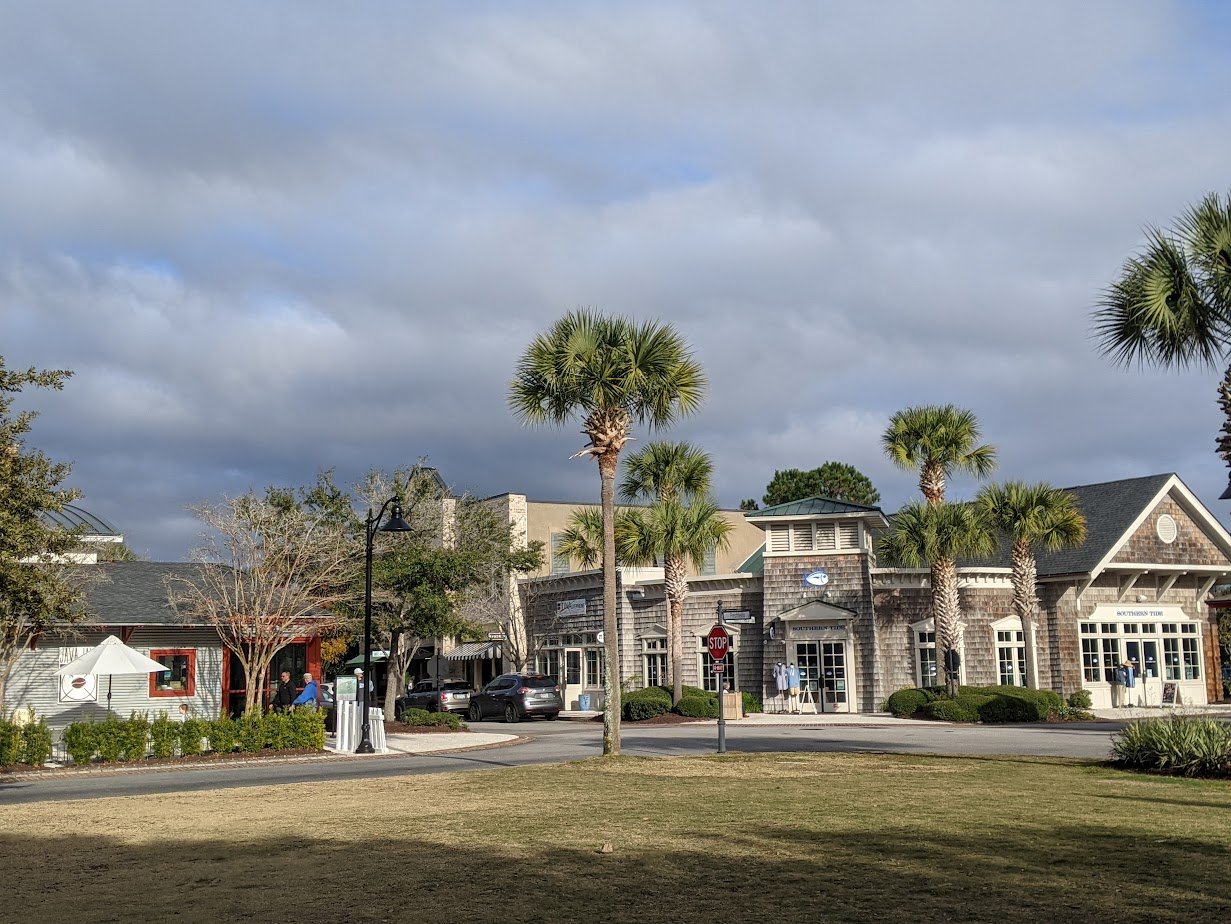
(179,679)
(925,658)
(1011,658)
(596,668)
(654,661)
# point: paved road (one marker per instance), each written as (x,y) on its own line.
(557,742)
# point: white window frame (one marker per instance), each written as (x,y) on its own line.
(1016,642)
(928,626)
(653,652)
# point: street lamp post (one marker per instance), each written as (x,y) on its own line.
(371,526)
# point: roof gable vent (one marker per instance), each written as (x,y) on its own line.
(1166,528)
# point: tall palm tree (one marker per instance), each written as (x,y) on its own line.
(937,535)
(1031,516)
(582,539)
(612,373)
(680,526)
(937,440)
(1171,305)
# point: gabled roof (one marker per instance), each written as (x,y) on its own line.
(1111,509)
(134,593)
(814,506)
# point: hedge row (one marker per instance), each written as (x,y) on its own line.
(138,736)
(694,703)
(992,704)
(28,744)
(421,717)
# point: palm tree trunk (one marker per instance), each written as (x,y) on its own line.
(607,462)
(932,483)
(946,613)
(677,589)
(1025,604)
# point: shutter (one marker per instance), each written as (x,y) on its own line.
(825,540)
(780,538)
(848,535)
(801,537)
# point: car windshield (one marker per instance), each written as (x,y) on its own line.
(456,685)
(538,681)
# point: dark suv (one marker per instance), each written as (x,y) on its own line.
(517,696)
(453,697)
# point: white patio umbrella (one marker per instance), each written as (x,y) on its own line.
(110,657)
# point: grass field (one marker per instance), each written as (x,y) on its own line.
(781,839)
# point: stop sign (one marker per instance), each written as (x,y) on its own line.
(718,641)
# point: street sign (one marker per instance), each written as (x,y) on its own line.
(718,642)
(719,667)
(738,617)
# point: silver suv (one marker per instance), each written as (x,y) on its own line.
(453,697)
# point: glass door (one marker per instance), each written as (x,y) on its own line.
(571,683)
(808,660)
(833,665)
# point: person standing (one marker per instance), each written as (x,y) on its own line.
(309,695)
(284,697)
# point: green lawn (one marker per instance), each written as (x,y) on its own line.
(738,838)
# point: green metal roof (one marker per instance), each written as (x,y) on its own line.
(754,563)
(813,506)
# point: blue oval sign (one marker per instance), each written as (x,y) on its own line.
(817,578)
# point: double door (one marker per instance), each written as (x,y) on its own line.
(823,674)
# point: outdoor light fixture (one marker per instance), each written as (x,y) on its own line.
(372,526)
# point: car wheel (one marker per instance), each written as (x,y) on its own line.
(552,716)
(510,713)
(475,714)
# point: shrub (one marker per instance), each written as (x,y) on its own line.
(965,708)
(698,707)
(36,743)
(223,734)
(1080,699)
(278,732)
(134,735)
(645,704)
(81,742)
(11,745)
(163,733)
(191,733)
(109,740)
(907,702)
(309,728)
(250,733)
(1001,708)
(421,718)
(752,703)
(1185,746)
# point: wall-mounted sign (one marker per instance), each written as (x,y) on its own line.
(79,688)
(567,608)
(817,578)
(797,631)
(738,617)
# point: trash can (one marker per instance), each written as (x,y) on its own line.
(583,702)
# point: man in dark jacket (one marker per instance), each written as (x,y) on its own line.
(285,694)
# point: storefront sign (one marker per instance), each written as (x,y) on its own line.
(817,578)
(566,608)
(816,631)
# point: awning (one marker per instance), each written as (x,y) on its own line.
(474,651)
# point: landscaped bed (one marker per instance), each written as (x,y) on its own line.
(818,837)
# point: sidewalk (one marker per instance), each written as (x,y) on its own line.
(1128,713)
(431,743)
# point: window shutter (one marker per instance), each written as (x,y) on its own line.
(848,535)
(825,540)
(801,536)
(780,538)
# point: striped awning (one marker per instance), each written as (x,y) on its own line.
(474,651)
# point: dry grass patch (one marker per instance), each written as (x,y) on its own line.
(791,838)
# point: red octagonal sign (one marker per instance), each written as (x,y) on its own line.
(718,642)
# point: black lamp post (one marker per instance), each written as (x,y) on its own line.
(371,526)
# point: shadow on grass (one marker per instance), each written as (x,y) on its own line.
(1077,873)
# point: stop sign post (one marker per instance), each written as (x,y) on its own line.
(718,642)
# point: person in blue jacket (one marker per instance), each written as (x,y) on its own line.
(309,695)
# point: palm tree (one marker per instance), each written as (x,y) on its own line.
(937,440)
(1171,306)
(671,531)
(612,373)
(937,535)
(1030,516)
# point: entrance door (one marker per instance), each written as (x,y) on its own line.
(571,682)
(833,668)
(808,660)
(1149,688)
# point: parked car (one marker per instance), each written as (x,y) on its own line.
(454,696)
(517,696)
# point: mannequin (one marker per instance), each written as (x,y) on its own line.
(792,679)
(780,684)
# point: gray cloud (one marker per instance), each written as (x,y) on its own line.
(272,239)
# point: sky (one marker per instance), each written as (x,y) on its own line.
(271,239)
